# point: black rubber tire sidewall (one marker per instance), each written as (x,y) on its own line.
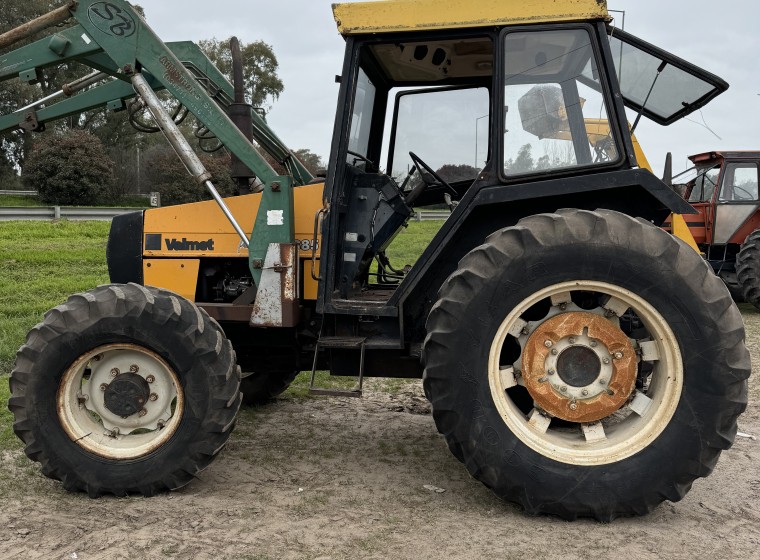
(191,344)
(657,269)
(261,388)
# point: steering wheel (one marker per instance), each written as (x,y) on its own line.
(749,196)
(426,182)
(369,163)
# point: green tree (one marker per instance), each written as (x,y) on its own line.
(310,160)
(262,84)
(165,173)
(70,169)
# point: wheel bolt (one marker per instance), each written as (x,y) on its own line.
(525,331)
(97,358)
(542,380)
(548,344)
(618,355)
(153,397)
(584,392)
(142,413)
(563,389)
(115,372)
(555,351)
(103,386)
(551,372)
(602,382)
(573,405)
(606,361)
(161,424)
(150,379)
(594,343)
(572,340)
(134,368)
(562,306)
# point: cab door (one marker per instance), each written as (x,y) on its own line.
(702,198)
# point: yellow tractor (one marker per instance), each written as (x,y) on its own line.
(580,361)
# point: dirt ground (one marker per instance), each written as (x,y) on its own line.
(341,478)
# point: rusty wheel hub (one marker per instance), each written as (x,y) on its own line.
(579,367)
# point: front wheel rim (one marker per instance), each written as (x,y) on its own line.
(643,414)
(99,392)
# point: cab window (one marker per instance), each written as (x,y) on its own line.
(739,182)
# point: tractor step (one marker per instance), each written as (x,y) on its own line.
(344,342)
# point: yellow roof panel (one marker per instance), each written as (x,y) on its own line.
(415,15)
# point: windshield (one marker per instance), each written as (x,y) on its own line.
(680,89)
(705,183)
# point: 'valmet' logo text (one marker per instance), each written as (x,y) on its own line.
(185,245)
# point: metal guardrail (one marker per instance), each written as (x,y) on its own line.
(47,213)
(430,216)
(19,193)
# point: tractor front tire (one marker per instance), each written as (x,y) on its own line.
(748,269)
(586,364)
(125,390)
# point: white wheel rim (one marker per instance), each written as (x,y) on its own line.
(89,423)
(635,426)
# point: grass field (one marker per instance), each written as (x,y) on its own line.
(42,263)
(16,201)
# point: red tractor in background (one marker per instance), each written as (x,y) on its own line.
(723,188)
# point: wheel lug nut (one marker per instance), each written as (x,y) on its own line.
(573,406)
(602,382)
(594,343)
(606,361)
(572,341)
(584,392)
(551,372)
(150,379)
(97,358)
(142,413)
(115,372)
(555,351)
(618,355)
(103,386)
(134,368)
(153,397)
(548,344)
(563,389)
(563,306)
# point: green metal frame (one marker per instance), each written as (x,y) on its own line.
(110,36)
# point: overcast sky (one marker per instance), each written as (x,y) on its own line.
(721,38)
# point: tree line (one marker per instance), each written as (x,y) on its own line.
(98,157)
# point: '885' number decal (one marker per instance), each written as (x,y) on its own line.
(111,19)
(307,245)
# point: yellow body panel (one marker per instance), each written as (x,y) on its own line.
(416,15)
(178,275)
(681,230)
(204,225)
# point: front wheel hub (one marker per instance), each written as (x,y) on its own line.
(579,367)
(126,394)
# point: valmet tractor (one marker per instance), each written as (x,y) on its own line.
(723,188)
(580,361)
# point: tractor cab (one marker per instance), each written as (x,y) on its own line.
(723,188)
(453,115)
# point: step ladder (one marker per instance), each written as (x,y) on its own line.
(344,342)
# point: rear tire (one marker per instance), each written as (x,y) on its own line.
(748,269)
(544,273)
(260,388)
(85,371)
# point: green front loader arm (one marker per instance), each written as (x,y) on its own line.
(110,36)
